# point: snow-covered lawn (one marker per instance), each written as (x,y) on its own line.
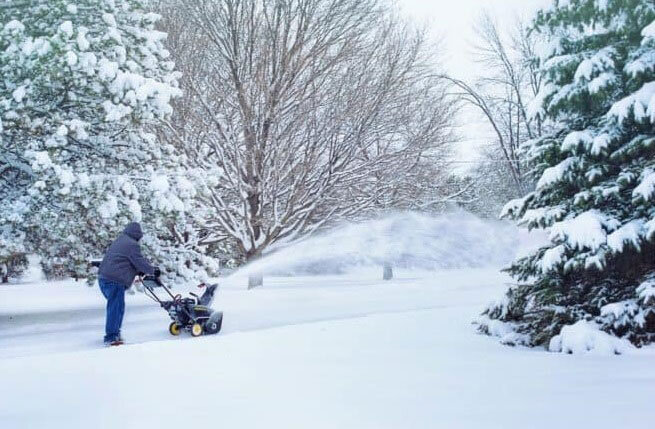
(306,352)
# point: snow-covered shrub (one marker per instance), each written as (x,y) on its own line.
(586,337)
(83,84)
(595,178)
(505,331)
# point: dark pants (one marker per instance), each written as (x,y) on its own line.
(115,294)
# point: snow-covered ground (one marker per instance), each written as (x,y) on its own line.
(344,351)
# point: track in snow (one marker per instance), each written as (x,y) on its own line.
(31,324)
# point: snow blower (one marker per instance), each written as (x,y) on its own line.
(190,314)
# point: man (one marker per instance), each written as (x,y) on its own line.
(121,264)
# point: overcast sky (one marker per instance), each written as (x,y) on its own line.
(452,21)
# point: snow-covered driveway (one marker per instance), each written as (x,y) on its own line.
(325,352)
(69,316)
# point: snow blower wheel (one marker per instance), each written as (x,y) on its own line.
(196,330)
(174,329)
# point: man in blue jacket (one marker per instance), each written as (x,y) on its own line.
(121,264)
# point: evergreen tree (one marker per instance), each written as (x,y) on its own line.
(596,180)
(13,259)
(83,83)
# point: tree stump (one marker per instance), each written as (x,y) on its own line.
(387,272)
(255,280)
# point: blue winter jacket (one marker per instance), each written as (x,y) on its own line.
(123,259)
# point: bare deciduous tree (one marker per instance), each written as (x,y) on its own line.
(503,93)
(301,111)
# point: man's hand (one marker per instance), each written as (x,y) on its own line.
(157,272)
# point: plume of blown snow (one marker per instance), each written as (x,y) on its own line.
(408,240)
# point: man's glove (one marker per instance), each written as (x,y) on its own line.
(157,272)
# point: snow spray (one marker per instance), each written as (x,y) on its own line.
(406,240)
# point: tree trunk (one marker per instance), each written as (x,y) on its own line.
(255,280)
(387,272)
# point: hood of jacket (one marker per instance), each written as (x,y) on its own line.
(133,230)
